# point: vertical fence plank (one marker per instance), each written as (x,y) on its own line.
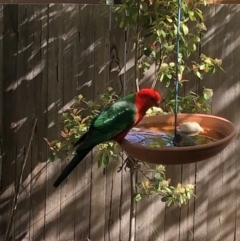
(113,196)
(38,150)
(230,178)
(237,190)
(221,219)
(225,104)
(201,201)
(150,215)
(86,48)
(85,87)
(98,198)
(215,166)
(23,121)
(125,197)
(69,36)
(215,200)
(102,81)
(1,110)
(54,100)
(1,91)
(10,16)
(172,213)
(119,42)
(101,49)
(38,96)
(187,211)
(116,54)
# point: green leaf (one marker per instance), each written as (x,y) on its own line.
(185,29)
(153,192)
(166,81)
(169,202)
(199,13)
(165,199)
(168,190)
(144,6)
(147,51)
(199,75)
(106,159)
(194,48)
(197,39)
(169,19)
(158,32)
(181,199)
(157,176)
(121,24)
(169,75)
(191,15)
(168,47)
(138,197)
(163,34)
(100,161)
(51,156)
(206,96)
(157,185)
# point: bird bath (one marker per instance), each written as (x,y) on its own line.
(181,155)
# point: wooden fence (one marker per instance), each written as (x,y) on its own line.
(49,54)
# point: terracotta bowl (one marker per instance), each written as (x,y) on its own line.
(182,155)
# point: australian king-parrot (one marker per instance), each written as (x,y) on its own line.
(113,123)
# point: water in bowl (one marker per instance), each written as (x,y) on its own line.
(161,135)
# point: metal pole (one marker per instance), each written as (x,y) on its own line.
(177,69)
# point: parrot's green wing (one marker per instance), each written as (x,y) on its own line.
(118,118)
(115,120)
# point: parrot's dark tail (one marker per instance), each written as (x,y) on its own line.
(72,164)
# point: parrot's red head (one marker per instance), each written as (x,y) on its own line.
(147,98)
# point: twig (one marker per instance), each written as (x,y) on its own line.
(132,228)
(123,166)
(136,47)
(158,68)
(16,196)
(142,172)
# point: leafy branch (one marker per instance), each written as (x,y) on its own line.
(155,25)
(76,120)
(160,185)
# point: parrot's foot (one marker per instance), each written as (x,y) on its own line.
(130,163)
